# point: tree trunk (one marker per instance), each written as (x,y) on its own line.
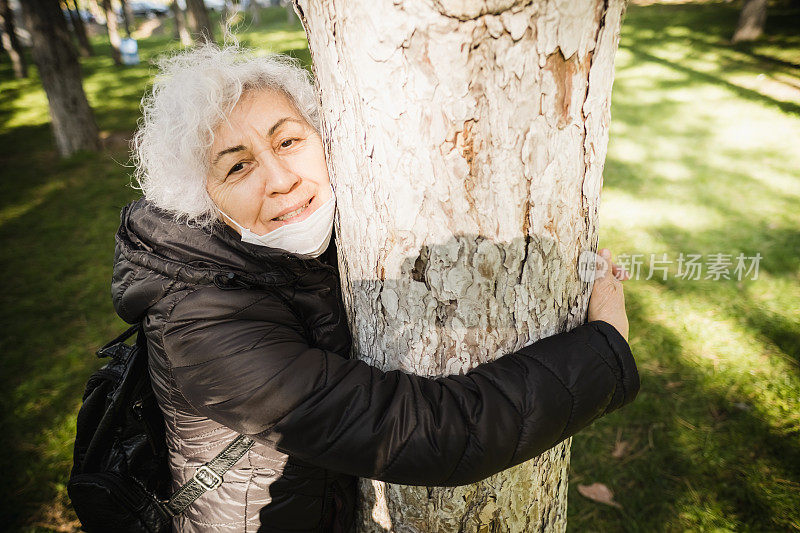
(181,32)
(10,41)
(79,28)
(96,11)
(71,117)
(128,20)
(255,12)
(199,21)
(751,21)
(473,140)
(113,32)
(291,16)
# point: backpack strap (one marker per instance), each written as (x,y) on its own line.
(209,476)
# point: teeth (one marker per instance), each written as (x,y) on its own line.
(293,213)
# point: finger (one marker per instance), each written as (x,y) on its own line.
(602,265)
(604,261)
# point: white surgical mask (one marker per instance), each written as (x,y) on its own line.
(308,237)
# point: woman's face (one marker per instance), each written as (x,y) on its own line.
(267,165)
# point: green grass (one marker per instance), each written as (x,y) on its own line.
(703,158)
(57,225)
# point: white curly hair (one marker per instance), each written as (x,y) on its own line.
(192,94)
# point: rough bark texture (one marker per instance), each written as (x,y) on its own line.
(10,41)
(751,21)
(72,119)
(181,32)
(79,29)
(199,21)
(466,141)
(113,32)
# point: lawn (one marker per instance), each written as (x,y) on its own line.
(703,159)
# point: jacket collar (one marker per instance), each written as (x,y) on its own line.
(151,238)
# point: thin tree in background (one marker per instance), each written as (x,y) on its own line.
(291,16)
(751,21)
(113,32)
(79,28)
(200,21)
(472,136)
(95,9)
(128,19)
(255,12)
(10,41)
(72,119)
(181,32)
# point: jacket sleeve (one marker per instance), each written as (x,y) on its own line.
(252,370)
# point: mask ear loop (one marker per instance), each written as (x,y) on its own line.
(226,215)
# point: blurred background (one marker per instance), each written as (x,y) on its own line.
(703,159)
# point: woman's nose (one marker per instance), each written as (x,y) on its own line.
(278,177)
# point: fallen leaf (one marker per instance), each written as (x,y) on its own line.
(598,492)
(620,449)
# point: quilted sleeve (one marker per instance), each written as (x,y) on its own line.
(250,368)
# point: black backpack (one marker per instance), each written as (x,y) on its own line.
(120,477)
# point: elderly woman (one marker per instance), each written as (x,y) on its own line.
(230,262)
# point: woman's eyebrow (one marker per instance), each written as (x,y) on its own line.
(281,121)
(240,148)
(230,150)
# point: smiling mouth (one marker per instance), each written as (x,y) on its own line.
(292,214)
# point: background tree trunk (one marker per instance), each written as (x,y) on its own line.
(255,12)
(751,21)
(113,32)
(291,16)
(181,32)
(10,41)
(95,9)
(199,21)
(128,20)
(72,119)
(473,140)
(79,28)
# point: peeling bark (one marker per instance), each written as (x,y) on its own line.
(466,141)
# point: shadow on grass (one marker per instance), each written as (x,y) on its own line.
(698,456)
(58,226)
(707,449)
(706,77)
(780,256)
(56,309)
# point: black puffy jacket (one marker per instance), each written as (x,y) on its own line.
(247,339)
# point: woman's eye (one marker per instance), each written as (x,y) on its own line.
(235,168)
(287,143)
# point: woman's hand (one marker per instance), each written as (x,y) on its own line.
(607,302)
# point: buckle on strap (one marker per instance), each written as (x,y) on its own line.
(207,478)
